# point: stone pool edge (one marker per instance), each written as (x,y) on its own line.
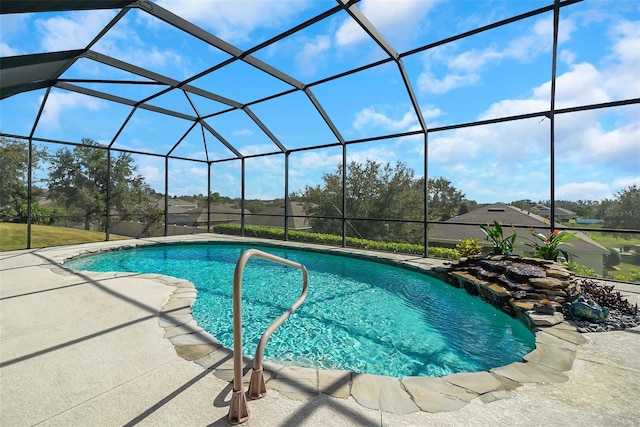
(554,354)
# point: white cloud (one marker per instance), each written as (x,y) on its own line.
(198,172)
(310,56)
(6,50)
(59,102)
(13,24)
(567,56)
(581,85)
(512,107)
(381,154)
(371,118)
(464,68)
(431,112)
(583,141)
(591,190)
(152,176)
(242,132)
(624,183)
(122,44)
(71,31)
(627,38)
(315,160)
(234,21)
(249,150)
(427,83)
(75,30)
(474,59)
(621,76)
(397,21)
(539,39)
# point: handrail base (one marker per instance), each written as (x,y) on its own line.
(238,411)
(257,387)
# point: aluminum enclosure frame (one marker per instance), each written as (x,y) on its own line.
(24,73)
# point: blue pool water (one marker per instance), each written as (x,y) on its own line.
(359,315)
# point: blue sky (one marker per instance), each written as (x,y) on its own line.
(501,72)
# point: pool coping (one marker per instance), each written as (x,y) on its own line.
(554,353)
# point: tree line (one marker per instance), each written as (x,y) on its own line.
(384,192)
(76,186)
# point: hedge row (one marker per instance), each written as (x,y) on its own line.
(630,258)
(332,239)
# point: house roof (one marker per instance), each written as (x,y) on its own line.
(199,216)
(559,212)
(294,223)
(456,228)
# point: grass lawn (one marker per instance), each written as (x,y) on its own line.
(608,240)
(14,236)
(622,269)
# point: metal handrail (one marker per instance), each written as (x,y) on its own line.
(238,411)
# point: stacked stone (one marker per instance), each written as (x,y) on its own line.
(516,283)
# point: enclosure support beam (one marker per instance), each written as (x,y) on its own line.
(425,202)
(166,195)
(552,117)
(209,197)
(344,196)
(242,195)
(286,196)
(108,207)
(30,165)
(29,192)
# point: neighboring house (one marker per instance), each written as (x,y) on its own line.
(270,217)
(584,251)
(561,214)
(176,205)
(300,222)
(199,217)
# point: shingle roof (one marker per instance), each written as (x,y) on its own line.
(263,219)
(199,216)
(455,229)
(559,212)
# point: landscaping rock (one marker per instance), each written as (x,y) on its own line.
(515,284)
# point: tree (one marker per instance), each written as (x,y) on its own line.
(524,204)
(255,206)
(467,206)
(14,168)
(613,258)
(383,192)
(372,191)
(624,210)
(583,208)
(444,200)
(78,182)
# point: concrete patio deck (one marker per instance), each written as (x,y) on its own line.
(93,349)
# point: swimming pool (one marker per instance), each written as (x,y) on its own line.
(359,315)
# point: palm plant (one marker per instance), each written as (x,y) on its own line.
(548,247)
(501,245)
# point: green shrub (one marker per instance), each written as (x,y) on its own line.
(612,258)
(582,270)
(8,213)
(39,214)
(468,247)
(438,252)
(332,239)
(631,258)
